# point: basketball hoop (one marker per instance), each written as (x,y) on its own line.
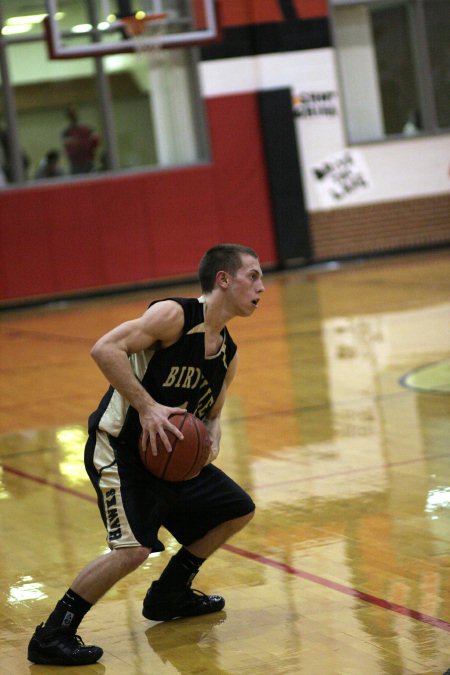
(146,31)
(161,24)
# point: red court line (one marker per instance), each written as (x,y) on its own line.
(45,481)
(347,472)
(340,588)
(288,569)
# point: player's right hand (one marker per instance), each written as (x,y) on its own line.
(154,423)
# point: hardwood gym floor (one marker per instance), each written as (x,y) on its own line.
(337,424)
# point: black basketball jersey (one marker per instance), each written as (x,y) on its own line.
(178,376)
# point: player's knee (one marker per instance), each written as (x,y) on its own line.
(133,556)
(238,523)
(250,508)
(139,555)
(248,517)
(247,511)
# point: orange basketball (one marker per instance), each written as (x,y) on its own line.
(188,456)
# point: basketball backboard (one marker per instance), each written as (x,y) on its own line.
(83,28)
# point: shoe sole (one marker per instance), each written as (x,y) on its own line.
(40,660)
(164,616)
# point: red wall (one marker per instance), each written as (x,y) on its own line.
(111,231)
(242,12)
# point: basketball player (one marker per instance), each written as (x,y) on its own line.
(177,355)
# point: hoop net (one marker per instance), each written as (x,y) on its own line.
(146,31)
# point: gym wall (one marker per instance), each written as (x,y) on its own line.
(261,188)
(126,230)
(385,196)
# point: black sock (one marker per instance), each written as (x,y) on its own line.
(180,570)
(69,611)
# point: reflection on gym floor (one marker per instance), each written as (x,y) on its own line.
(337,424)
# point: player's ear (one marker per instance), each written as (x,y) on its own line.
(222,279)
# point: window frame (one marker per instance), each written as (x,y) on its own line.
(19,179)
(422,70)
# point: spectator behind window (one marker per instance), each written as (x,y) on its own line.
(80,143)
(49,166)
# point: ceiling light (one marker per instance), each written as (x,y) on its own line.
(82,28)
(14,30)
(19,20)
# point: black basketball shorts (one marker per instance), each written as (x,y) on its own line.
(134,504)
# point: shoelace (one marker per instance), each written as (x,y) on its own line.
(78,640)
(195,594)
(68,635)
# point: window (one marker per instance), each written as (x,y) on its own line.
(129,113)
(437,26)
(394,66)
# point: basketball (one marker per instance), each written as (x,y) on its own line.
(188,456)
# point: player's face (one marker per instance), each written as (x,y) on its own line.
(246,286)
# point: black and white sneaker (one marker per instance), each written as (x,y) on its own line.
(59,646)
(160,605)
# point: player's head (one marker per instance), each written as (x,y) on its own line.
(225,257)
(52,156)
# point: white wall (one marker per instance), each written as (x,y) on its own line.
(29,63)
(410,167)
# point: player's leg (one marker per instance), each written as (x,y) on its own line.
(216,537)
(131,534)
(56,641)
(104,572)
(203,515)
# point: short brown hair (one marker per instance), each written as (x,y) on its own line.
(226,257)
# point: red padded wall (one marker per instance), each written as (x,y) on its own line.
(119,230)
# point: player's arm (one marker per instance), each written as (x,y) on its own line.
(161,323)
(212,421)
